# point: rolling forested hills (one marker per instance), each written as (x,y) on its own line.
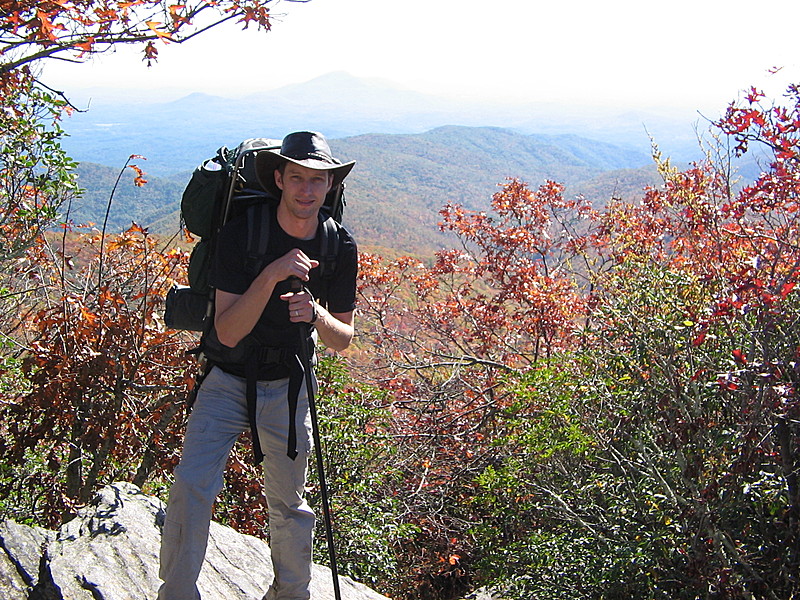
(401,181)
(158,199)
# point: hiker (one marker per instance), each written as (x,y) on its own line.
(255,342)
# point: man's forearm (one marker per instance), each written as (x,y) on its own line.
(335,329)
(237,315)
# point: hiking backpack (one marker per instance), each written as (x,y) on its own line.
(219,189)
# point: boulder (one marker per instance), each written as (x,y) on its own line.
(21,558)
(109,551)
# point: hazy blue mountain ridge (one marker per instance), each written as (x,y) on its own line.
(176,135)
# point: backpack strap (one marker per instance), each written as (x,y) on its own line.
(328,245)
(259,221)
(258,228)
(329,252)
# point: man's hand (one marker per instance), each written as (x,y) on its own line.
(335,329)
(302,308)
(292,264)
(236,315)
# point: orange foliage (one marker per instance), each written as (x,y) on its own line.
(107,379)
(80,28)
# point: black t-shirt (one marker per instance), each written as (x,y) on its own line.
(232,272)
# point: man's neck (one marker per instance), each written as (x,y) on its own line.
(303,229)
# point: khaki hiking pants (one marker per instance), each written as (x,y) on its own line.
(218,417)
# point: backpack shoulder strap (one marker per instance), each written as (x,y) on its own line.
(259,221)
(328,245)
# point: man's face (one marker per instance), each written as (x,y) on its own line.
(303,189)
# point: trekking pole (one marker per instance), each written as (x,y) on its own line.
(297,286)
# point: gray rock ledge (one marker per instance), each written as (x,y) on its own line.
(110,552)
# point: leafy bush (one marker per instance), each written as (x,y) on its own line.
(608,398)
(103,382)
(361,476)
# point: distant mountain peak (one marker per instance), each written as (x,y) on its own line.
(343,89)
(343,78)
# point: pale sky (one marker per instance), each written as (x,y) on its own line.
(696,54)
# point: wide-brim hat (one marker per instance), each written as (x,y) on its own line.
(304,148)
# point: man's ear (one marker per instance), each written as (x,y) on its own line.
(279,179)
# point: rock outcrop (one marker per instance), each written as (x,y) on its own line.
(110,552)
